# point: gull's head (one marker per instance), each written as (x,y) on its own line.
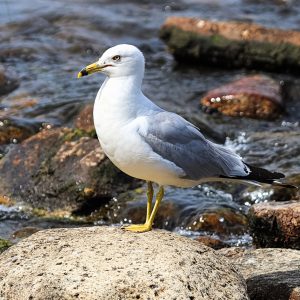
(118,61)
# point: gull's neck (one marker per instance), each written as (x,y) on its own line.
(121,98)
(115,89)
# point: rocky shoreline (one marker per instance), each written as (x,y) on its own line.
(54,174)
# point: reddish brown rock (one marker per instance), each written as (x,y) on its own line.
(221,221)
(12,133)
(256,97)
(276,224)
(271,274)
(12,128)
(84,120)
(61,169)
(232,44)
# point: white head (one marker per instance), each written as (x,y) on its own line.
(118,61)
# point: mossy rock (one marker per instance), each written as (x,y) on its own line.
(4,244)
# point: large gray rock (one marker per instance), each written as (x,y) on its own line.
(271,274)
(108,263)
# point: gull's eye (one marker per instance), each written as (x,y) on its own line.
(116,57)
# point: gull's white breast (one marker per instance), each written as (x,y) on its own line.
(117,124)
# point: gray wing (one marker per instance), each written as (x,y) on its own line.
(180,142)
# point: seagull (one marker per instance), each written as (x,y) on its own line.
(149,143)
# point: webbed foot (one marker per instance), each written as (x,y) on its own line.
(137,227)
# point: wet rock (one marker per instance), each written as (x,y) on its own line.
(194,213)
(220,221)
(24,232)
(275,224)
(4,200)
(232,44)
(7,82)
(84,120)
(271,274)
(252,96)
(212,242)
(4,244)
(12,131)
(61,169)
(108,263)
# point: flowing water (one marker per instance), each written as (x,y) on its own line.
(45,43)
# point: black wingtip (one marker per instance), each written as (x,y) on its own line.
(261,175)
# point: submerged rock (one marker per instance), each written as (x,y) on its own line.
(108,263)
(7,82)
(251,96)
(232,44)
(275,224)
(61,169)
(271,274)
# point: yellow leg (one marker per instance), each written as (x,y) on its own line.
(148,225)
(149,199)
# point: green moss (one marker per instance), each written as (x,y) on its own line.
(4,244)
(76,134)
(218,50)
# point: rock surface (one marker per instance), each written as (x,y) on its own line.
(12,131)
(275,224)
(271,274)
(255,96)
(108,263)
(232,44)
(61,169)
(84,120)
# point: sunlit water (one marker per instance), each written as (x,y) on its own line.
(45,43)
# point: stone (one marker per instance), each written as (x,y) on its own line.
(84,120)
(13,132)
(275,224)
(221,221)
(211,242)
(7,82)
(109,263)
(257,97)
(61,169)
(232,44)
(271,274)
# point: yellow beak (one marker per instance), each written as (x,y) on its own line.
(90,69)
